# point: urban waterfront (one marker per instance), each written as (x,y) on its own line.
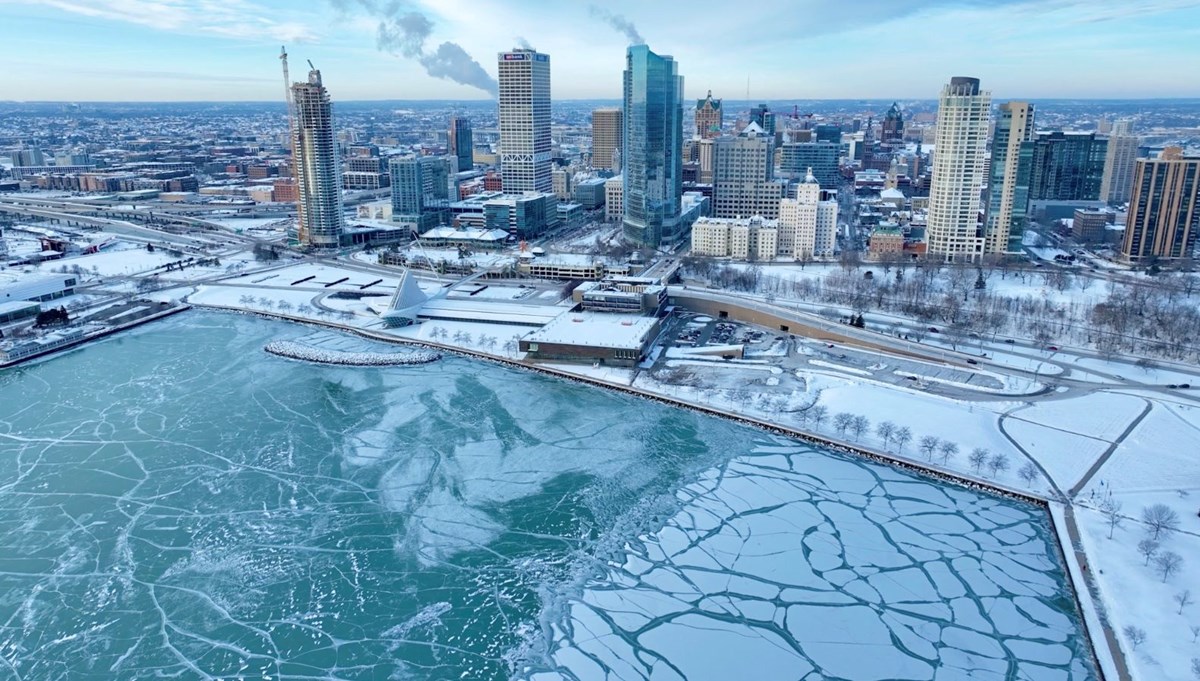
(175,501)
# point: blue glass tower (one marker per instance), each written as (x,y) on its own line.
(653,148)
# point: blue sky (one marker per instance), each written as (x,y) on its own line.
(166,50)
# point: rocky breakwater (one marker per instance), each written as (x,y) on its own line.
(307,353)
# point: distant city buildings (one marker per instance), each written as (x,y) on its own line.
(1164,210)
(316,167)
(959,164)
(822,158)
(462,143)
(419,190)
(1008,185)
(751,239)
(762,116)
(606,138)
(652,149)
(710,117)
(525,144)
(893,126)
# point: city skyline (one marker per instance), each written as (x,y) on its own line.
(187,50)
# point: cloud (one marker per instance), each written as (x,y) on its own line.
(618,22)
(235,19)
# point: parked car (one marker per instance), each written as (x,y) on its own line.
(1052,348)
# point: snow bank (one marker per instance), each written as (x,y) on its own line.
(293,350)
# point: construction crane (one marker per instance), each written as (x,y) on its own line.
(291,111)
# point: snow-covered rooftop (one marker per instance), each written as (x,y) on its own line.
(596,329)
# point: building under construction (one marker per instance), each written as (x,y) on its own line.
(315,161)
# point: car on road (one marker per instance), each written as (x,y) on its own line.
(933,329)
(1009,341)
(1052,348)
(971,361)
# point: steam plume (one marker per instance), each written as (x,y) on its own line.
(618,22)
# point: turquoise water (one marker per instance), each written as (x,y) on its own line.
(175,502)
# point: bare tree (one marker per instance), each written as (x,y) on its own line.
(818,414)
(902,436)
(978,458)
(1148,548)
(1168,563)
(886,430)
(1028,473)
(1195,660)
(1136,636)
(1111,508)
(860,425)
(1160,519)
(1184,599)
(843,421)
(998,464)
(928,444)
(1195,635)
(949,450)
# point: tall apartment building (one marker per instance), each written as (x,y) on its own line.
(420,190)
(1067,166)
(652,147)
(1164,210)
(744,175)
(524,78)
(462,143)
(1119,163)
(316,167)
(606,138)
(709,117)
(1008,185)
(808,222)
(958,171)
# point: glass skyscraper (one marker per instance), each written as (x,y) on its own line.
(653,147)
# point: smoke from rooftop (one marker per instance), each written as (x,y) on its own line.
(618,22)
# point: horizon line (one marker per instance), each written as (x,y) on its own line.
(581,99)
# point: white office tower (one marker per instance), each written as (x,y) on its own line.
(317,170)
(959,171)
(1119,163)
(798,221)
(827,227)
(524,121)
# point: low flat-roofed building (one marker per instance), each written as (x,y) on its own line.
(36,287)
(449,237)
(593,337)
(633,295)
(18,310)
(570,266)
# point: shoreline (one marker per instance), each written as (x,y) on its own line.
(1061,543)
(87,338)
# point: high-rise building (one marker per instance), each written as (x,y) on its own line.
(829,132)
(958,171)
(1164,210)
(462,144)
(318,177)
(1008,185)
(893,126)
(709,117)
(28,156)
(1119,163)
(797,159)
(798,221)
(420,189)
(744,175)
(762,115)
(1067,166)
(652,147)
(524,121)
(606,138)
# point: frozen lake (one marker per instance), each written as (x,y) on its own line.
(176,502)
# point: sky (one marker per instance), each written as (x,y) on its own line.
(227,50)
